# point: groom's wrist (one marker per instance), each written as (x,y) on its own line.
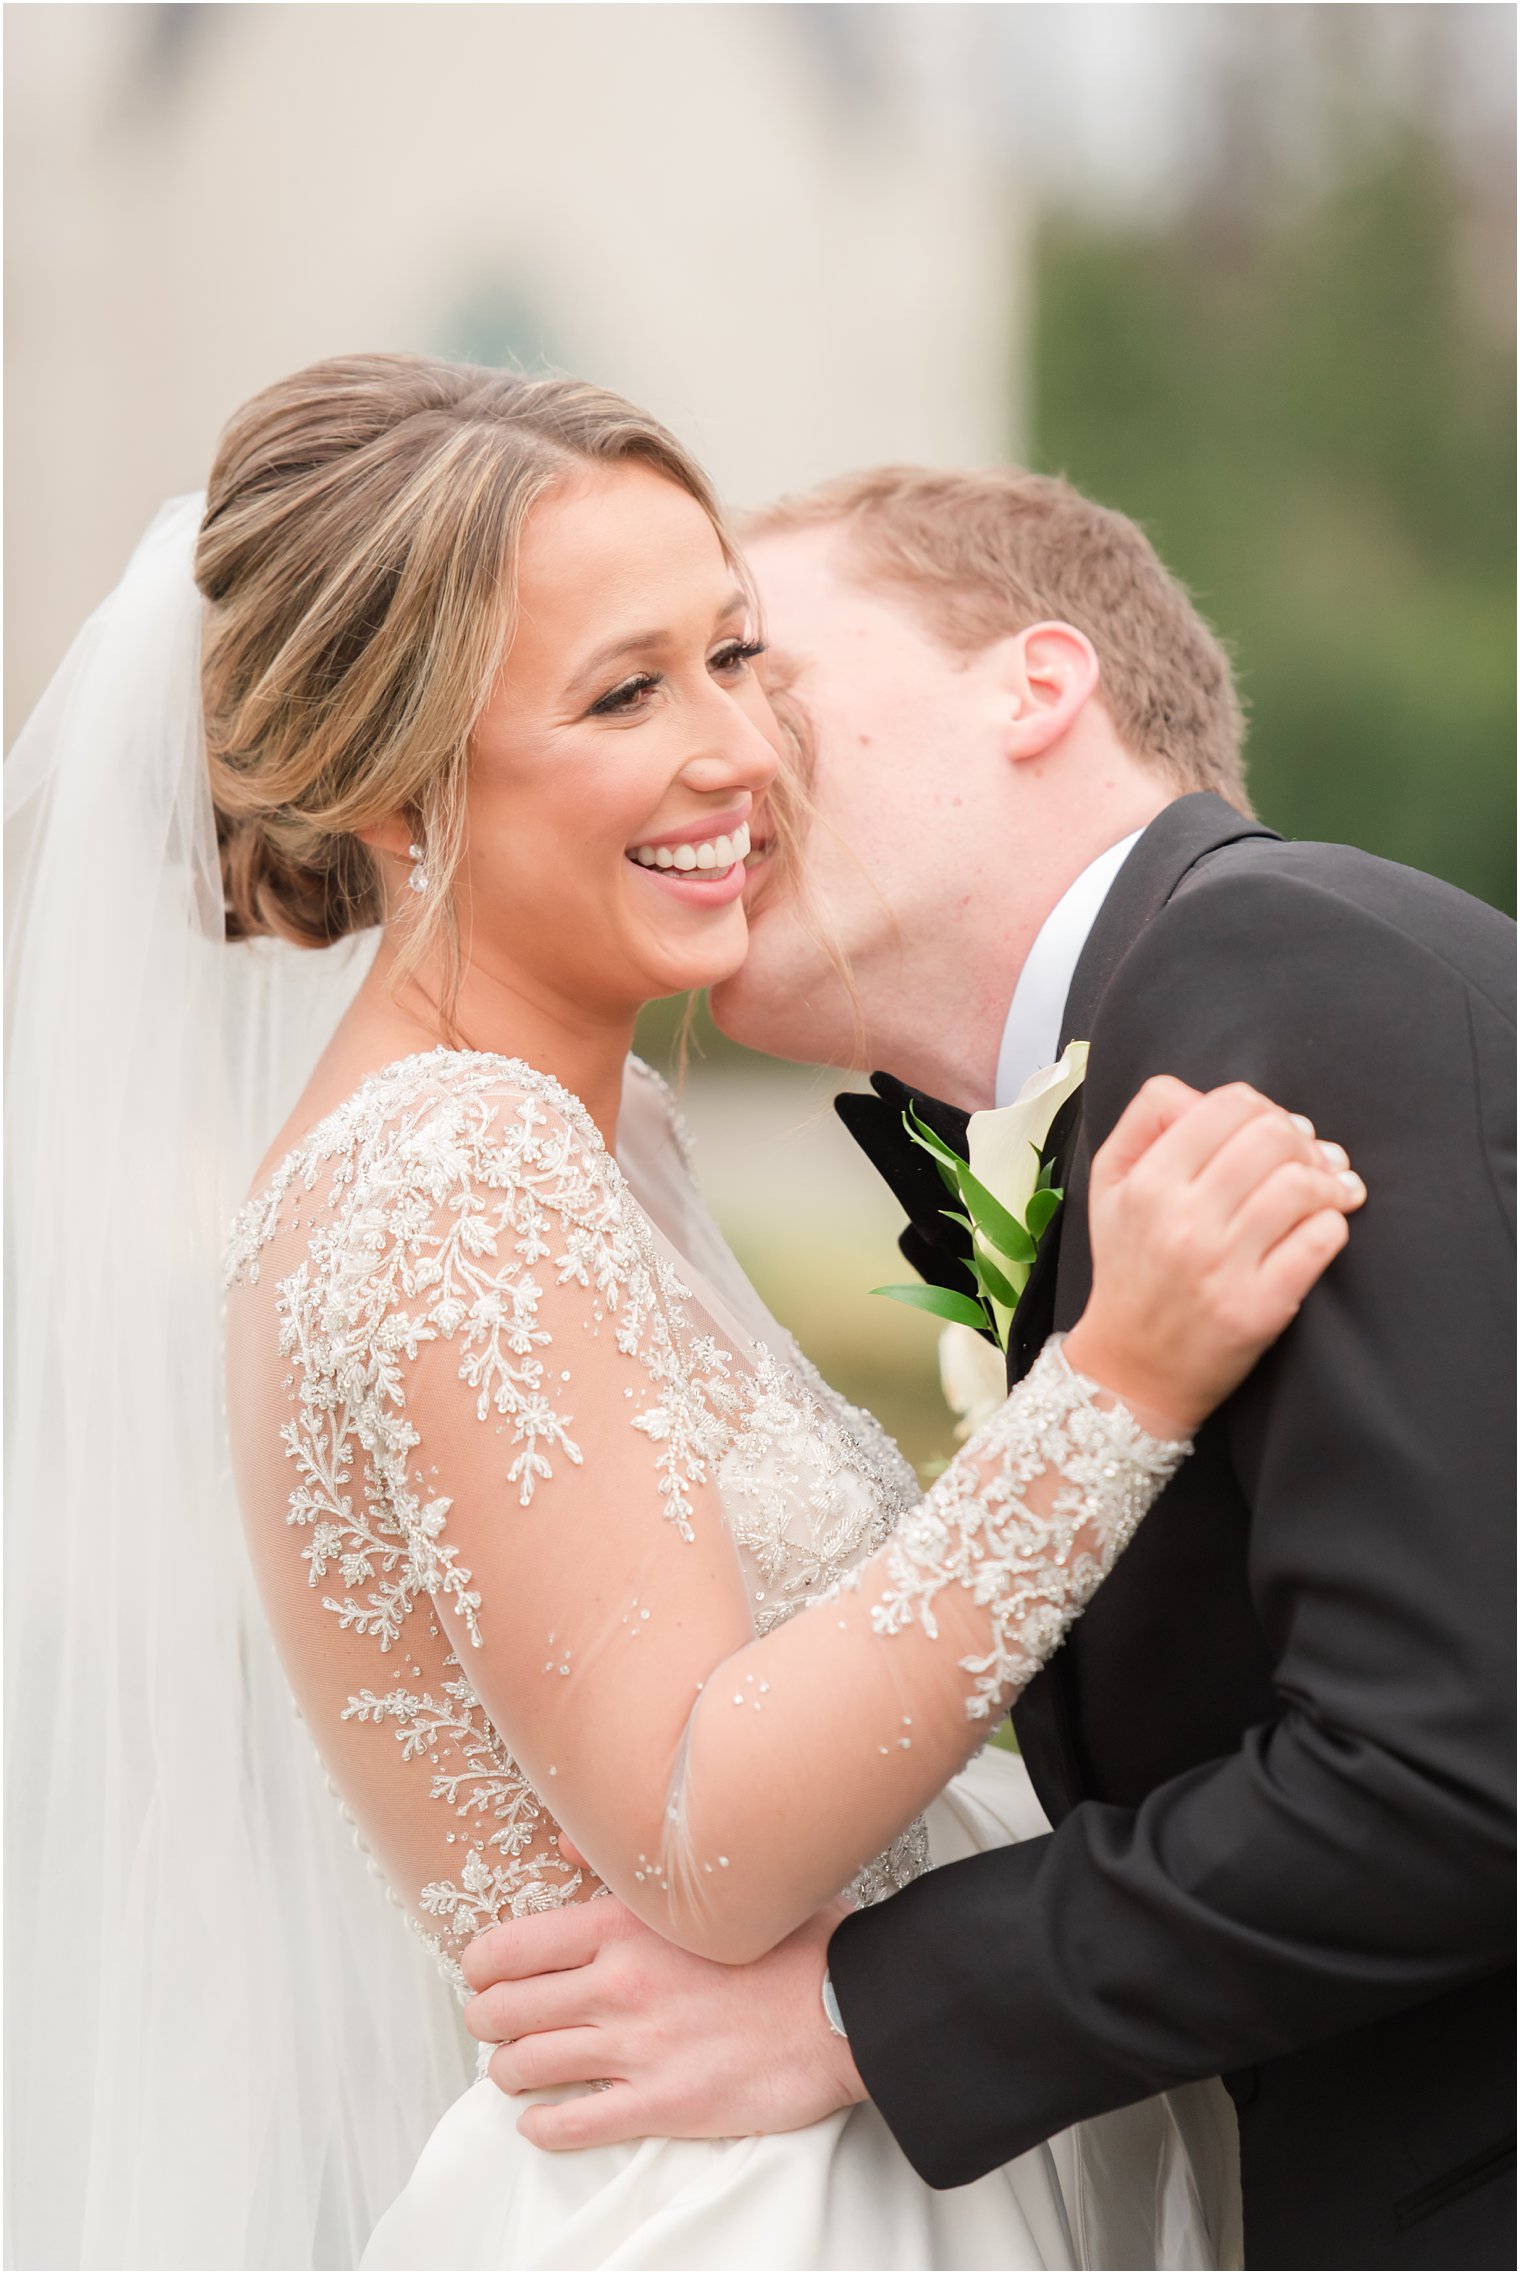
(847,2083)
(832,2037)
(831,2012)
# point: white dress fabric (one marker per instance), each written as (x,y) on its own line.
(836,2194)
(513,1434)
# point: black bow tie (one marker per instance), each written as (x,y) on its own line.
(936,1248)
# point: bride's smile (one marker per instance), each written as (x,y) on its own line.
(716,856)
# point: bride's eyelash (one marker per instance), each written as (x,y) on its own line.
(739,651)
(623,697)
(626,694)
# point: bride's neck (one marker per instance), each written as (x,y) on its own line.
(499,1011)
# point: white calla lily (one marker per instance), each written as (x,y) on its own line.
(1005,1144)
(1002,1204)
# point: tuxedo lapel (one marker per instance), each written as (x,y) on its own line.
(1176,841)
(1045,1718)
(1180,836)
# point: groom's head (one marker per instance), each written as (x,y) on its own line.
(993,679)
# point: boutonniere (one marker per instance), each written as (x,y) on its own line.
(1003,1196)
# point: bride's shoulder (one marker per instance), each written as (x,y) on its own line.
(426,1135)
(453,1118)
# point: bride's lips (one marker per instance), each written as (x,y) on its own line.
(699,888)
(702,865)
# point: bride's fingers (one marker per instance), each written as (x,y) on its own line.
(1260,1147)
(1155,1106)
(1188,1148)
(1293,1195)
(591,2120)
(1291,1268)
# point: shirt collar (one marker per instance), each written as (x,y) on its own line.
(1032,1035)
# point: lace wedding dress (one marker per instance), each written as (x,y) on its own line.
(554,1525)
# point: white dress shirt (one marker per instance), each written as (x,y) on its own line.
(1032,1036)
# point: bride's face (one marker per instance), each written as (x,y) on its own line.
(627,719)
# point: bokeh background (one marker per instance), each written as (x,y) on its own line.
(1244,271)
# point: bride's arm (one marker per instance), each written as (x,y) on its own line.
(722,1784)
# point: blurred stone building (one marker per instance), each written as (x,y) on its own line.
(785,229)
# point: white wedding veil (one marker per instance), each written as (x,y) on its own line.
(224,2047)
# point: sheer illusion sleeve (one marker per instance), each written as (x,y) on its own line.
(552,1428)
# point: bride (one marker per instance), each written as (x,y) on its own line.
(455,734)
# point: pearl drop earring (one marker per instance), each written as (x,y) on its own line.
(417,881)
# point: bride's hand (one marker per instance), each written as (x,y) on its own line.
(1211,1217)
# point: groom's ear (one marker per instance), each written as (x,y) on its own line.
(1048,673)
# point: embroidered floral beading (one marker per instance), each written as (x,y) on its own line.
(1032,1572)
(453,1191)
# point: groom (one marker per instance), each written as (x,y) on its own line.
(1277,1749)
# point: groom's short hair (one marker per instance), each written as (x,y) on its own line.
(983,554)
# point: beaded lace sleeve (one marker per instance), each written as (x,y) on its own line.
(889,1684)
(551,1427)
(1029,1573)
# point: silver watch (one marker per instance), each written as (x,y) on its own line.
(831,2010)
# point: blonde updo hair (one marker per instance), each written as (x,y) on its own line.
(358,559)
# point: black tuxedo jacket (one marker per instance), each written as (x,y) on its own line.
(1278,1748)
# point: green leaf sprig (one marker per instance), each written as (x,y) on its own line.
(1003,1246)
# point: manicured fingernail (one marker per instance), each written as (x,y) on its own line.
(1302,1123)
(1352,1183)
(1334,1156)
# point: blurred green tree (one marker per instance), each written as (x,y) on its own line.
(1310,407)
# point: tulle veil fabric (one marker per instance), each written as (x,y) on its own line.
(224,2047)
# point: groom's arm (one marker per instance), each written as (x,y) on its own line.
(1354,1856)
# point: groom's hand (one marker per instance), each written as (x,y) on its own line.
(691,2049)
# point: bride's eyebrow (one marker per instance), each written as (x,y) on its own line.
(596,666)
(635,643)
